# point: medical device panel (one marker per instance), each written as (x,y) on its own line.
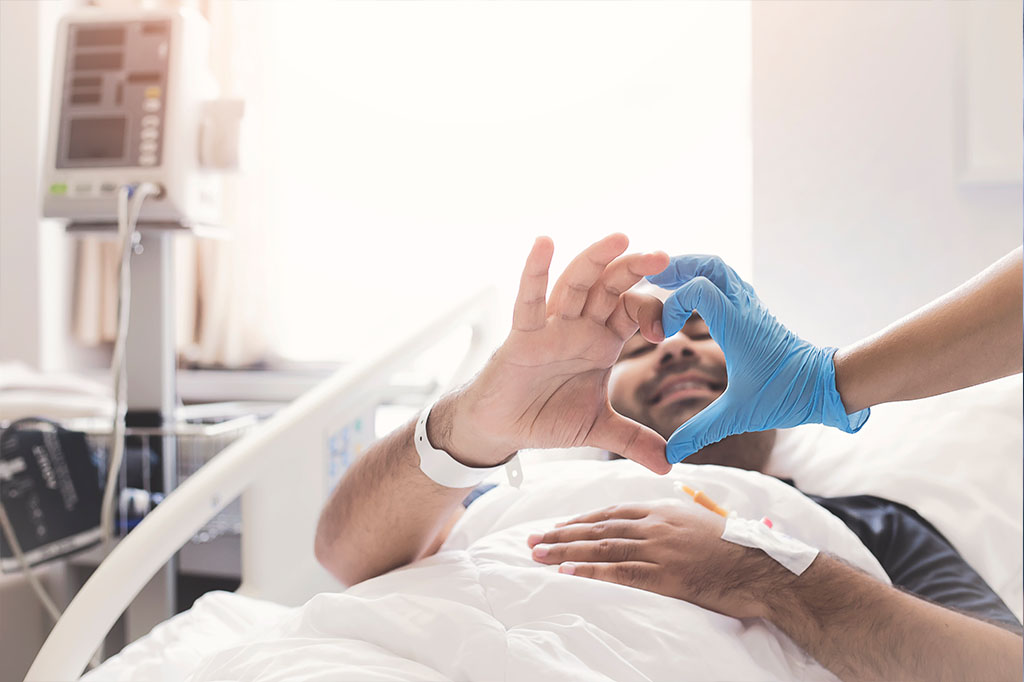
(131,104)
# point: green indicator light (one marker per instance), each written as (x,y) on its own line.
(58,188)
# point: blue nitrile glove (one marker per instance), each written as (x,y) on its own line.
(776,379)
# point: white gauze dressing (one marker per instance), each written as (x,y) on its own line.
(788,551)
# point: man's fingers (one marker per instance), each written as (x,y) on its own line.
(682,269)
(569,294)
(625,437)
(619,511)
(638,310)
(701,295)
(608,549)
(598,530)
(640,574)
(530,310)
(618,277)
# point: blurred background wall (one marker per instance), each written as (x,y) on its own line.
(886,156)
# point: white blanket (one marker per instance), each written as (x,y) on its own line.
(482,609)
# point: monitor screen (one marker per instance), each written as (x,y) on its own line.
(105,35)
(96,138)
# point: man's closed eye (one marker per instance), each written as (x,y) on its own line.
(636,350)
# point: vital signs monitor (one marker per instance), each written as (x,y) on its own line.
(132,102)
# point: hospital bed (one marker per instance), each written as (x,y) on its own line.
(955,458)
(281,471)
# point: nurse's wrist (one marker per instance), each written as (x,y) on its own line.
(844,382)
(837,409)
(857,377)
(450,428)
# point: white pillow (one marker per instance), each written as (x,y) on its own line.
(957,459)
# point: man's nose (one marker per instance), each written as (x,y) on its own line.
(679,346)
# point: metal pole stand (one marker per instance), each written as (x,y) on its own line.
(150,462)
(151,398)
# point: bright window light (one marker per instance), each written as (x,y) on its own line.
(418,149)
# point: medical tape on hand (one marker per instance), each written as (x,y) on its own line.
(790,552)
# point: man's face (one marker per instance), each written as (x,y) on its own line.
(663,385)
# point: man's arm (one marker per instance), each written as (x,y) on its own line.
(546,386)
(863,630)
(385,513)
(855,626)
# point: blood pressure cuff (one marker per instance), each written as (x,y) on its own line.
(49,487)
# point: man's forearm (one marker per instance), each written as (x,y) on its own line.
(385,513)
(862,630)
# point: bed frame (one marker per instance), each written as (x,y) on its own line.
(286,453)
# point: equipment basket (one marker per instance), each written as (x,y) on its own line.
(200,433)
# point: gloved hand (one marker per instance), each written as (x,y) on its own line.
(776,379)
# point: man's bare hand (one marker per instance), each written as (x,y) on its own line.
(672,547)
(547,386)
(855,626)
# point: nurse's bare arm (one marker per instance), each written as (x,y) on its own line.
(545,387)
(971,335)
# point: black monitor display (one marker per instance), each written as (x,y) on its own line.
(96,138)
(94,37)
(98,61)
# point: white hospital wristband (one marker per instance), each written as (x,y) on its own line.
(443,469)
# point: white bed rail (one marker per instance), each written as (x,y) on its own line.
(282,485)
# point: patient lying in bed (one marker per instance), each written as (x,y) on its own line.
(482,608)
(552,383)
(603,570)
(663,385)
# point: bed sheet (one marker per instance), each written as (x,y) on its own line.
(482,609)
(174,648)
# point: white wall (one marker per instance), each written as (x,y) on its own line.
(34,273)
(418,149)
(860,211)
(36,256)
(19,218)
